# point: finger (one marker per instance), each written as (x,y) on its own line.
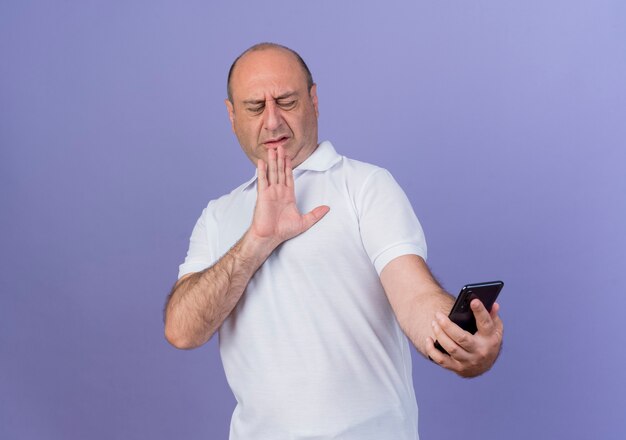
(455,348)
(494,309)
(288,173)
(261,168)
(433,354)
(271,162)
(484,323)
(438,357)
(460,337)
(314,216)
(281,164)
(496,317)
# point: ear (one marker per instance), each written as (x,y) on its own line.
(231,113)
(313,95)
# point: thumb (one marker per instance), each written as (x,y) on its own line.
(314,216)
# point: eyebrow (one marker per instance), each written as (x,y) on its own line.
(261,101)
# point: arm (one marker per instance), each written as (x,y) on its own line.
(200,302)
(421,307)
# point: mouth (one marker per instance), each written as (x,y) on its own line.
(275,142)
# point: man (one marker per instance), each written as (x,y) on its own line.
(313,272)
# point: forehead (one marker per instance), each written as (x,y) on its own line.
(265,72)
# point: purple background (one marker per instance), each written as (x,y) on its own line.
(504,121)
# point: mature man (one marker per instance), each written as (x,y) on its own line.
(312,309)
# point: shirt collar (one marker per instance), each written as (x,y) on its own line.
(323,158)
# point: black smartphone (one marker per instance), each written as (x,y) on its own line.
(461,313)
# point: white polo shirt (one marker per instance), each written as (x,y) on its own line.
(313,349)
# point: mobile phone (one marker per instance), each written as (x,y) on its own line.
(461,313)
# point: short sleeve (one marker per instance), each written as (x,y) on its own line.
(388,225)
(202,244)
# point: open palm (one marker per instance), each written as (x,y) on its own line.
(276,215)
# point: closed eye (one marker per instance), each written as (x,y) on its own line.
(256,109)
(286,104)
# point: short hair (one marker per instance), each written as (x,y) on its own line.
(263,46)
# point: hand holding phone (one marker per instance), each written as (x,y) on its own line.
(461,313)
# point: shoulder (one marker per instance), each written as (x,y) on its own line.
(363,175)
(360,168)
(356,169)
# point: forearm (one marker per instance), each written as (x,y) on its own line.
(199,303)
(415,296)
(421,310)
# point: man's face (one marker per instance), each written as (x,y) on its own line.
(272,106)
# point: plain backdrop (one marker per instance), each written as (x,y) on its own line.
(504,121)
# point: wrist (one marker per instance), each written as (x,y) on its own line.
(255,250)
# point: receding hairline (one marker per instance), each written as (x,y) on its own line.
(267,46)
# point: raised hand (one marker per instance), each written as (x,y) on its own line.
(470,355)
(276,215)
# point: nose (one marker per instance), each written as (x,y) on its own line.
(272,118)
